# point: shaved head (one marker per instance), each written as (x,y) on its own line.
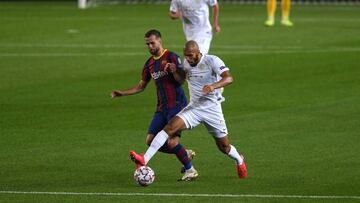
(192,52)
(191,46)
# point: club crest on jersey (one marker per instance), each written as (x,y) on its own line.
(159,74)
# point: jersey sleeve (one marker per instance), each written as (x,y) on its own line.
(177,61)
(145,76)
(174,6)
(218,65)
(211,2)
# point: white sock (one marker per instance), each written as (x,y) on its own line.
(235,155)
(155,145)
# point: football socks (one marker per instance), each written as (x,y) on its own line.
(285,9)
(155,145)
(235,155)
(182,155)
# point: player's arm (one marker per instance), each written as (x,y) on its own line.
(226,79)
(178,73)
(174,10)
(134,90)
(216,26)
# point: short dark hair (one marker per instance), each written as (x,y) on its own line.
(153,32)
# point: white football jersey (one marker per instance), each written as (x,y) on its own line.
(195,16)
(206,72)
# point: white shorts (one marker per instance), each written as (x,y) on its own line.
(203,42)
(212,118)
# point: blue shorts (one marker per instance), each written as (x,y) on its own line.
(161,118)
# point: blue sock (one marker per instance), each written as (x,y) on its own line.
(182,156)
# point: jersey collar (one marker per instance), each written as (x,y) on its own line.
(157,57)
(202,56)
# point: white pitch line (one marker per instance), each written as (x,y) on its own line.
(285,51)
(319,20)
(234,46)
(235,49)
(183,195)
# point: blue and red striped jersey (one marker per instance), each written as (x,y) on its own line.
(169,91)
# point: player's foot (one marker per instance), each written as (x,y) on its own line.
(287,22)
(189,175)
(191,154)
(269,22)
(241,169)
(137,158)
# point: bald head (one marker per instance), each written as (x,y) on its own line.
(191,46)
(192,52)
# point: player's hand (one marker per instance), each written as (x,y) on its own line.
(175,15)
(170,67)
(207,89)
(116,93)
(217,29)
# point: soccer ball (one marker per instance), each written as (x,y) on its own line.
(144,176)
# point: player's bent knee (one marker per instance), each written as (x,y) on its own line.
(170,130)
(175,125)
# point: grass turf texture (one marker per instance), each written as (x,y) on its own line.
(293,110)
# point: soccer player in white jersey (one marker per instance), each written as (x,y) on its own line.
(206,74)
(195,20)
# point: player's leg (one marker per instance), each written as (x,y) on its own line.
(174,145)
(169,132)
(157,124)
(271,8)
(285,12)
(182,154)
(190,120)
(225,147)
(165,148)
(184,120)
(219,132)
(176,124)
(215,123)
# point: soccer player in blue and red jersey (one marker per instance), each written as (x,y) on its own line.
(166,69)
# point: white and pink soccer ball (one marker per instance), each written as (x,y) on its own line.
(144,176)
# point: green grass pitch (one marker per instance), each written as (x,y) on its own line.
(293,110)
